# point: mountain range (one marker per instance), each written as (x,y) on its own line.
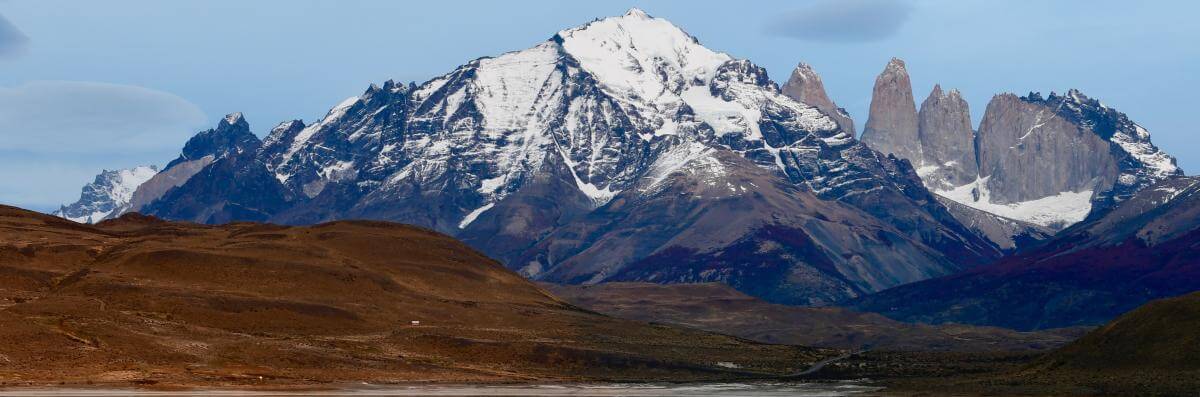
(1038,164)
(624,150)
(595,156)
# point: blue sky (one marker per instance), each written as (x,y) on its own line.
(88,85)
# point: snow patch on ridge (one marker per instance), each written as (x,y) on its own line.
(724,117)
(1159,163)
(307,133)
(691,157)
(475,214)
(1061,210)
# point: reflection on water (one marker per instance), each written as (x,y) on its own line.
(575,390)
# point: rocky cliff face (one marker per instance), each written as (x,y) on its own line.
(1027,151)
(105,196)
(1055,161)
(607,135)
(805,86)
(947,141)
(1049,162)
(892,122)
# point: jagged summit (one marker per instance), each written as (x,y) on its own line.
(892,122)
(110,191)
(1048,160)
(938,92)
(234,119)
(896,65)
(805,86)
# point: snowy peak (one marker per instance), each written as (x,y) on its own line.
(640,57)
(107,193)
(637,13)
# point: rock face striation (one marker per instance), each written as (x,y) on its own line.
(618,150)
(107,194)
(805,86)
(892,126)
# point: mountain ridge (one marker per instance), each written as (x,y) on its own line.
(1143,249)
(509,152)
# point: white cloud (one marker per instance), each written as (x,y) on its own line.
(843,20)
(90,117)
(12,41)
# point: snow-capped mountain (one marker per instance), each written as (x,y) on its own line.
(1050,161)
(110,191)
(622,132)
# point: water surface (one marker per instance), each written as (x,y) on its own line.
(575,390)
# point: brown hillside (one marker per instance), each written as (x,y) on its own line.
(141,300)
(719,308)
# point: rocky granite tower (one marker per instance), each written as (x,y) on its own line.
(892,122)
(947,140)
(805,86)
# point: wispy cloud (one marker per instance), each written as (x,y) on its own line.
(89,117)
(56,135)
(12,42)
(843,20)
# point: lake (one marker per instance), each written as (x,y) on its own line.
(573,390)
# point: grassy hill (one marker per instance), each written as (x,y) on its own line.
(140,300)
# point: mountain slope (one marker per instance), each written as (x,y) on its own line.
(1146,248)
(716,307)
(736,223)
(1151,350)
(515,153)
(1160,335)
(107,194)
(137,299)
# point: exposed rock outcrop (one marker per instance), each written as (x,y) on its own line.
(892,122)
(1049,162)
(947,141)
(1027,152)
(805,85)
